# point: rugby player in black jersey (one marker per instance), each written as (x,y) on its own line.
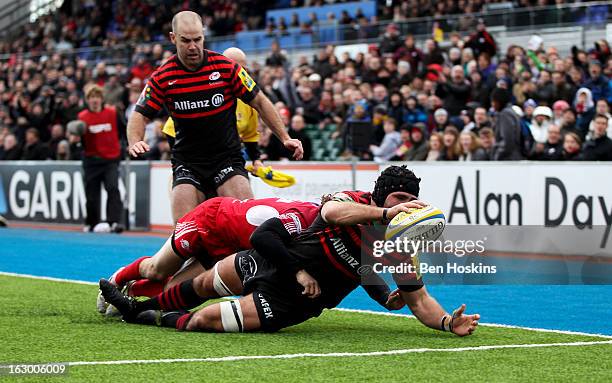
(199,88)
(285,281)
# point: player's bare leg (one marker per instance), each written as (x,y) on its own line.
(238,315)
(185,198)
(236,186)
(191,269)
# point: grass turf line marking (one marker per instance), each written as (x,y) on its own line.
(337,354)
(371,312)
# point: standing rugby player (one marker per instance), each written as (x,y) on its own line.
(199,89)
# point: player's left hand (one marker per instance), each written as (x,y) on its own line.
(295,146)
(464,324)
(395,301)
(256,165)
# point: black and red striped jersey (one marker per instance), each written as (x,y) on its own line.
(202,104)
(340,257)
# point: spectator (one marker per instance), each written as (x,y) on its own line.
(481,121)
(487,141)
(585,110)
(34,150)
(542,120)
(599,147)
(482,41)
(559,108)
(451,149)
(297,131)
(414,112)
(308,105)
(57,135)
(410,53)
(572,145)
(552,150)
(508,142)
(440,120)
(561,89)
(418,151)
(101,137)
(455,93)
(402,150)
(434,147)
(597,83)
(602,107)
(276,58)
(10,150)
(390,40)
(389,144)
(396,108)
(62,152)
(470,147)
(569,121)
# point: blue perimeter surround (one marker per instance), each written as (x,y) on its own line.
(88,257)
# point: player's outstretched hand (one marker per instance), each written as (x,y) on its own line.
(256,165)
(395,300)
(295,146)
(405,207)
(139,148)
(311,286)
(464,324)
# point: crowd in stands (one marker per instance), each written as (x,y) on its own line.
(398,100)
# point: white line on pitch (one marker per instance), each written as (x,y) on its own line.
(337,354)
(371,312)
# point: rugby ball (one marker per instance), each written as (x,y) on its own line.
(425,224)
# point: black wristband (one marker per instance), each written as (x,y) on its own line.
(384,217)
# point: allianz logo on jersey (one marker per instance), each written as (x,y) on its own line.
(215,101)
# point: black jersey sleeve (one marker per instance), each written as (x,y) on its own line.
(269,241)
(242,84)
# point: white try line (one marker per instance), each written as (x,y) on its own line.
(370,312)
(338,354)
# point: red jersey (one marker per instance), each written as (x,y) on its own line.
(222,226)
(101,137)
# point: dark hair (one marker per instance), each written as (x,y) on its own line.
(599,115)
(501,95)
(394,179)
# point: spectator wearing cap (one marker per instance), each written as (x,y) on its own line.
(541,121)
(390,142)
(441,120)
(602,107)
(455,92)
(599,147)
(508,145)
(451,150)
(598,83)
(418,150)
(528,108)
(314,81)
(552,149)
(585,110)
(470,147)
(572,145)
(559,108)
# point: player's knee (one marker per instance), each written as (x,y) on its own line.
(218,285)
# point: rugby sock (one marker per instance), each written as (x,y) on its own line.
(179,297)
(146,288)
(130,272)
(183,321)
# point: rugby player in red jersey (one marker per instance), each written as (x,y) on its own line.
(216,228)
(285,281)
(199,89)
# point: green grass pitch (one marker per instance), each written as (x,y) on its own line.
(45,321)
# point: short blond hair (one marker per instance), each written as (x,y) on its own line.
(94,90)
